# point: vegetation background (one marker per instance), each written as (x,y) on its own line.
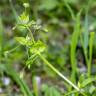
(67,29)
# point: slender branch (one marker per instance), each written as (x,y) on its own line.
(32,37)
(54,69)
(57,72)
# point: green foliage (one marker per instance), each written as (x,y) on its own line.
(15,76)
(21,40)
(90,52)
(1,37)
(85,82)
(71,1)
(31,59)
(48,4)
(38,47)
(35,86)
(59,17)
(50,91)
(24,18)
(74,42)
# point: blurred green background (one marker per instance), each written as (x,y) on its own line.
(55,16)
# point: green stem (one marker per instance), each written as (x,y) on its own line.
(13,49)
(54,69)
(60,74)
(30,34)
(57,72)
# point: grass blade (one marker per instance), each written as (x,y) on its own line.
(15,76)
(1,37)
(75,37)
(92,34)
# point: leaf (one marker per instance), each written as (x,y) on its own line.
(48,4)
(24,18)
(71,92)
(32,22)
(71,1)
(1,37)
(92,34)
(15,15)
(74,42)
(52,92)
(86,31)
(1,30)
(92,89)
(21,40)
(15,76)
(87,81)
(31,59)
(38,47)
(85,40)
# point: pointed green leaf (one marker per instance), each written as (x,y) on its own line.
(31,59)
(48,4)
(87,81)
(52,92)
(38,47)
(21,40)
(74,42)
(24,18)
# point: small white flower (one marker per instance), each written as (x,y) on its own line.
(38,80)
(6,81)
